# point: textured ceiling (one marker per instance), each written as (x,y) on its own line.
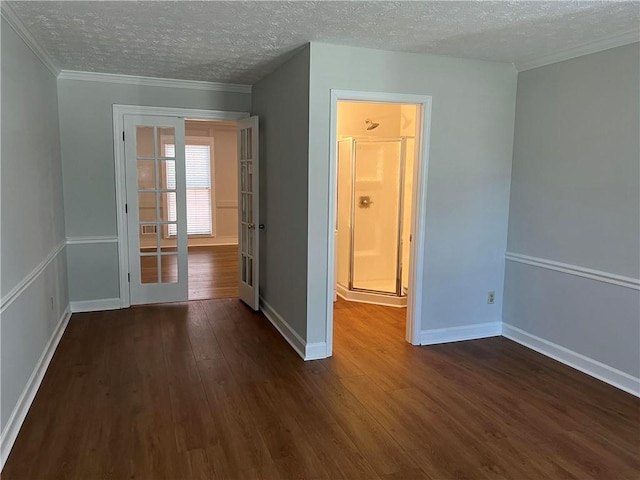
(240,42)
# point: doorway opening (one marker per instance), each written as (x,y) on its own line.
(177,191)
(379,165)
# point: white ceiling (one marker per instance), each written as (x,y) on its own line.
(240,42)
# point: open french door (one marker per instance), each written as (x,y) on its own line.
(248,213)
(156,208)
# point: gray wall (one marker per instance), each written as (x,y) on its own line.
(282,101)
(88,169)
(575,198)
(469,174)
(32,216)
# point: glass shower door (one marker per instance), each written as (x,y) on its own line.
(343,213)
(376,215)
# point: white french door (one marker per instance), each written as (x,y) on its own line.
(248,212)
(156,208)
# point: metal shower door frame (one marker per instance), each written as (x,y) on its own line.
(401,177)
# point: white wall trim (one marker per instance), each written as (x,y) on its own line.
(227,204)
(307,351)
(419,201)
(457,334)
(89,240)
(222,240)
(599,275)
(315,351)
(119,112)
(23,32)
(153,81)
(605,43)
(289,334)
(19,413)
(26,282)
(601,371)
(98,305)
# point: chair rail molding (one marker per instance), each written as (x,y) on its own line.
(94,239)
(16,291)
(598,275)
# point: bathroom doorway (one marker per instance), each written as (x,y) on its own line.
(380,167)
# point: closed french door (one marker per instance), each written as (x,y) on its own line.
(157,232)
(248,217)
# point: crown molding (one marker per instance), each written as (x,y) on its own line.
(9,14)
(604,43)
(153,81)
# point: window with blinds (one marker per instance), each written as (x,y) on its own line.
(198,173)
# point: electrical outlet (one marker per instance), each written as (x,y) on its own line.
(491,297)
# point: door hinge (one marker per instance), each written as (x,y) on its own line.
(123,136)
(128,277)
(126,208)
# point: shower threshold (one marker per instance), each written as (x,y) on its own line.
(367,296)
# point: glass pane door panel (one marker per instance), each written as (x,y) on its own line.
(149,269)
(376,215)
(243,176)
(249,177)
(166,142)
(146,174)
(243,239)
(343,220)
(169,268)
(245,207)
(149,239)
(249,207)
(243,268)
(145,142)
(167,174)
(147,207)
(168,207)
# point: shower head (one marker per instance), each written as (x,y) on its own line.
(371,125)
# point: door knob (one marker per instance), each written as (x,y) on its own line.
(261,226)
(251,226)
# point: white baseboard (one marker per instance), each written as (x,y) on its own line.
(311,351)
(315,351)
(457,334)
(96,305)
(607,374)
(10,432)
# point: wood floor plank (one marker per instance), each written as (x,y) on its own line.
(210,389)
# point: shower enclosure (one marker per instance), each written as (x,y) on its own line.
(372,221)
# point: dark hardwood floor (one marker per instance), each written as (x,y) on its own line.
(209,389)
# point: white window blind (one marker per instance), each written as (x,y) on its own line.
(198,173)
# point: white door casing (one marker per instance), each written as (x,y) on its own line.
(119,112)
(155,171)
(248,212)
(419,207)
